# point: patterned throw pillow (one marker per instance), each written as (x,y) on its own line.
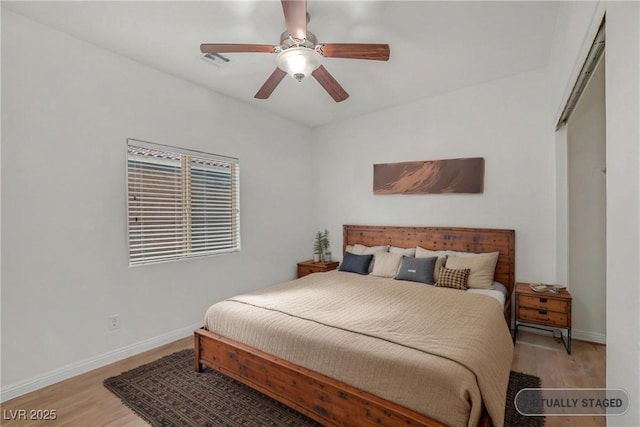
(450,278)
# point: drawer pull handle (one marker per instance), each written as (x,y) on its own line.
(543,300)
(542,311)
(540,318)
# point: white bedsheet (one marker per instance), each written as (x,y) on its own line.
(497,295)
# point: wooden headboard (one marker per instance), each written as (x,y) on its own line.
(442,238)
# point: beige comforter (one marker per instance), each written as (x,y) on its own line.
(441,352)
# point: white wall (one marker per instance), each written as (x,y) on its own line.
(577,26)
(623,204)
(67,109)
(586,132)
(505,121)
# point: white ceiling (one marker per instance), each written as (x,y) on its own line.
(436,47)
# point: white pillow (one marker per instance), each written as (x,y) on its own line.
(461,254)
(359,249)
(386,264)
(482,268)
(403,251)
(427,253)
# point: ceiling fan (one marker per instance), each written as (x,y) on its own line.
(299,53)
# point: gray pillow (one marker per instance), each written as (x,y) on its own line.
(356,263)
(417,269)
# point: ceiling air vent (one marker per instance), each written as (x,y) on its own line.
(215,59)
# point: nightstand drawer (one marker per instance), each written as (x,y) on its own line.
(543,303)
(307,267)
(304,270)
(543,316)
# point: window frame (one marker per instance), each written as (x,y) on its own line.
(222,200)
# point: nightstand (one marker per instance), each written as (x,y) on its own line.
(308,267)
(543,309)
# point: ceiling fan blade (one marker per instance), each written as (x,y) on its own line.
(272,82)
(330,84)
(295,16)
(236,48)
(376,52)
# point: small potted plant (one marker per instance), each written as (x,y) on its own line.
(326,253)
(321,247)
(317,247)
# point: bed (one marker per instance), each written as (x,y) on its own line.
(391,374)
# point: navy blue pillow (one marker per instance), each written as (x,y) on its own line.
(417,269)
(356,263)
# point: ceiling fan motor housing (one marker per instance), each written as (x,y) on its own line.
(286,41)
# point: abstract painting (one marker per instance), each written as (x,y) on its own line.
(430,177)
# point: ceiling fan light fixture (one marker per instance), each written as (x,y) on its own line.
(298,62)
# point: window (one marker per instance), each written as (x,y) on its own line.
(180,203)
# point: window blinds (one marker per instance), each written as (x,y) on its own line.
(180,203)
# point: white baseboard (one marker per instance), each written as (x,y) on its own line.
(42,380)
(589,336)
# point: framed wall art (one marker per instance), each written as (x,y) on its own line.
(430,177)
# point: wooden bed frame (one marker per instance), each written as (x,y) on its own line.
(327,400)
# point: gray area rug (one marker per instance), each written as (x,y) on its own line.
(168,392)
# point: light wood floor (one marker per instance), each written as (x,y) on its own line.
(84,401)
(545,357)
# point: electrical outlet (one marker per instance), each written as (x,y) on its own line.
(113,322)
